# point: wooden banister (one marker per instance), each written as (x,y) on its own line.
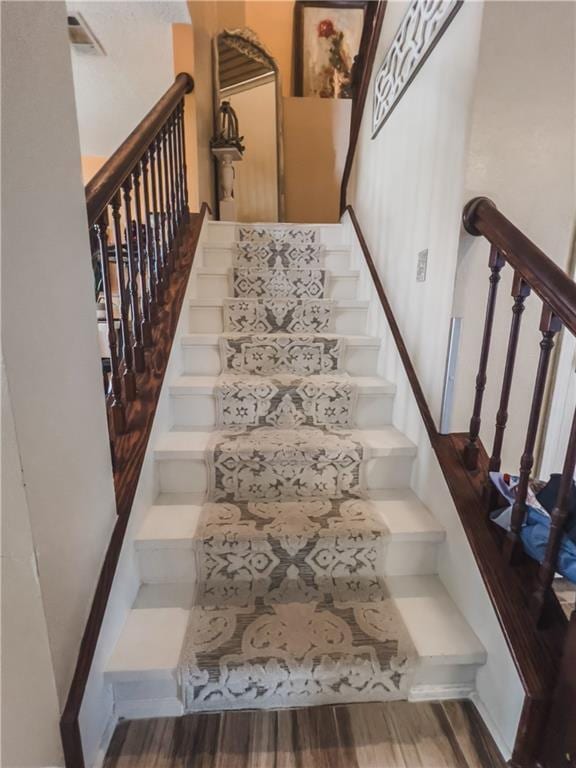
(104,184)
(373,20)
(544,276)
(518,594)
(140,225)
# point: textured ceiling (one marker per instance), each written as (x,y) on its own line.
(115,91)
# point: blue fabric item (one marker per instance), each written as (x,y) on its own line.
(534,535)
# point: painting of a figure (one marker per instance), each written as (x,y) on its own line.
(327,40)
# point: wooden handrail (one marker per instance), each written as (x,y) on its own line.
(374,18)
(108,180)
(536,654)
(395,330)
(545,277)
(130,450)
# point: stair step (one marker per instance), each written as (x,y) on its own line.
(387,461)
(217,283)
(216,256)
(223,232)
(168,540)
(143,667)
(193,401)
(201,354)
(207,316)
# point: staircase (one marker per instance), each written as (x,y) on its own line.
(286,561)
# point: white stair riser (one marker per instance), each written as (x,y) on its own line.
(200,410)
(217,286)
(224,233)
(204,360)
(191,475)
(211,320)
(431,682)
(177,564)
(219,257)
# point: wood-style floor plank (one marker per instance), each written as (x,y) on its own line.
(379,735)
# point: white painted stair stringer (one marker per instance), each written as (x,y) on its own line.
(99,712)
(142,669)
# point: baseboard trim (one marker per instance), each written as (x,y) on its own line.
(440,692)
(489,722)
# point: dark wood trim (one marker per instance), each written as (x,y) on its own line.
(370,39)
(298,36)
(395,330)
(536,653)
(129,451)
(102,187)
(549,281)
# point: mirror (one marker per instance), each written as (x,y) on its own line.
(247,76)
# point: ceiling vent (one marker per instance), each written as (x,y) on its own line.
(81,36)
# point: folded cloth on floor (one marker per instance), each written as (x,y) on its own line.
(547,497)
(536,528)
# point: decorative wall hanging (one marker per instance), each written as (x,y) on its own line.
(326,40)
(420,30)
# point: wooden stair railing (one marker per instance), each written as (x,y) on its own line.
(362,73)
(139,222)
(534,272)
(535,628)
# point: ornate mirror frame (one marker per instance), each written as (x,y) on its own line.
(246,41)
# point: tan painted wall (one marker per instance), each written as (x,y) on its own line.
(315,130)
(208,18)
(256,187)
(272,22)
(91,164)
(315,145)
(183,51)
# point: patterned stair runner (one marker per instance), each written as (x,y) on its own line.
(289,607)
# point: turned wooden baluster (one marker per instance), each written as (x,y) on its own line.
(549,327)
(150,243)
(157,221)
(520,292)
(167,208)
(172,178)
(179,188)
(146,328)
(138,347)
(183,155)
(161,214)
(559,515)
(495,262)
(129,376)
(117,412)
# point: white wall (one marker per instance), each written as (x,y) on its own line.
(97,719)
(407,184)
(49,332)
(115,91)
(407,188)
(522,155)
(256,184)
(29,700)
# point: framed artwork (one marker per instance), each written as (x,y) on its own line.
(327,37)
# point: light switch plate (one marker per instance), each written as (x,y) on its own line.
(422,266)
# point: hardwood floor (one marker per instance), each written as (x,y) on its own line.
(389,735)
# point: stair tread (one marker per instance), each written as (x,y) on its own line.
(334,273)
(191,444)
(219,302)
(205,385)
(152,637)
(176,525)
(212,339)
